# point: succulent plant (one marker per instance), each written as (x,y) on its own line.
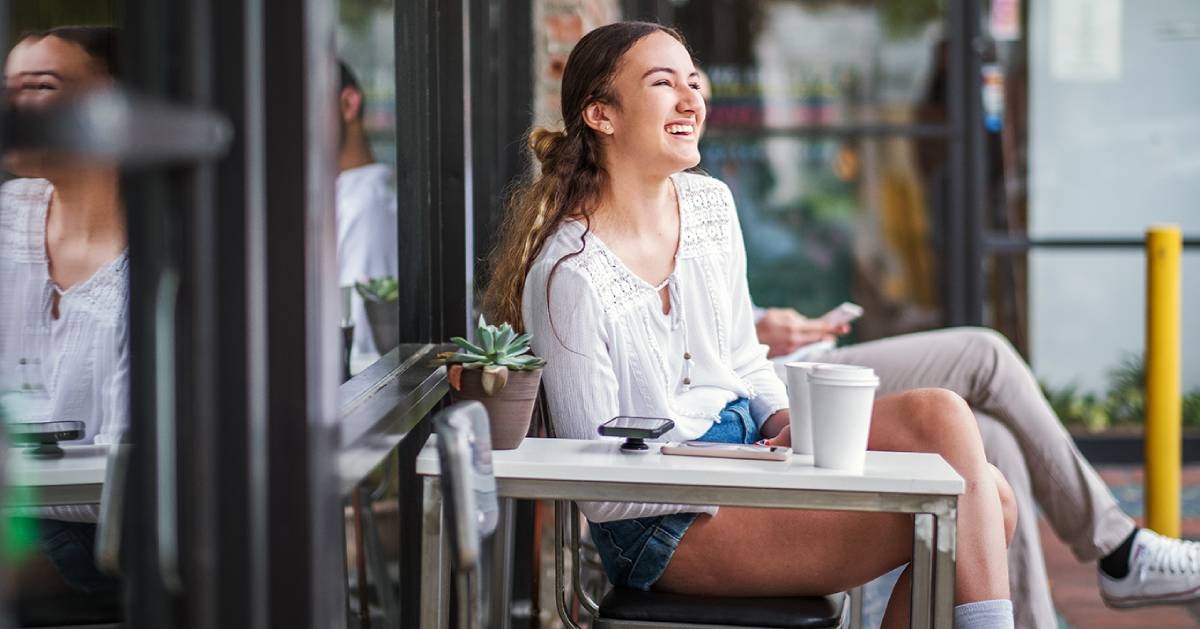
(498,350)
(379,289)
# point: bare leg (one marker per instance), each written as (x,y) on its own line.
(774,552)
(982,366)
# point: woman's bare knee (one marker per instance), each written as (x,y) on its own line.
(926,420)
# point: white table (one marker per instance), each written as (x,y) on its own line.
(77,477)
(566,469)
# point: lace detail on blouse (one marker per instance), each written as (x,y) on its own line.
(704,207)
(617,288)
(23,204)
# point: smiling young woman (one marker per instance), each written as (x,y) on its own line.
(631,275)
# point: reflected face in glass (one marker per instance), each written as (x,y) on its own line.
(42,72)
(660,110)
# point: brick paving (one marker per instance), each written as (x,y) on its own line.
(1073,584)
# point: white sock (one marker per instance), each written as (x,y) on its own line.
(994,614)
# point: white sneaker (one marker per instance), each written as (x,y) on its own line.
(1162,570)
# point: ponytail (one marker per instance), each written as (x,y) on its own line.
(567,187)
(572,175)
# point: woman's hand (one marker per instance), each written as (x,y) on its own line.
(778,429)
(783,439)
(784,330)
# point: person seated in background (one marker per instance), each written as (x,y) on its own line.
(630,274)
(367,230)
(1135,566)
(64,269)
(1024,439)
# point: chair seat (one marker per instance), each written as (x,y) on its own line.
(782,612)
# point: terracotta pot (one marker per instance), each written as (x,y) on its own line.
(509,410)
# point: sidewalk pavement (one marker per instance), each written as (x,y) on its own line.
(1073,584)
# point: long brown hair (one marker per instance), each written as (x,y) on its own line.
(572,172)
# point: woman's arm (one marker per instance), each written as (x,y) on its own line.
(748,355)
(568,330)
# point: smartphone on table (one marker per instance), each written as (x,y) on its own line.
(40,439)
(728,450)
(636,430)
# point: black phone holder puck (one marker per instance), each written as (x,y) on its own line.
(634,445)
(43,450)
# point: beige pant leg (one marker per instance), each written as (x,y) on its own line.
(982,367)
(1027,580)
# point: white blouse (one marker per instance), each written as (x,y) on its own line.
(611,351)
(75,367)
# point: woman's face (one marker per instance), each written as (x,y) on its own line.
(44,72)
(657,120)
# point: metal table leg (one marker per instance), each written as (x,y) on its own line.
(922,571)
(435,577)
(502,563)
(947,535)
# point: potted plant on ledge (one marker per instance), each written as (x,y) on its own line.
(380,296)
(499,372)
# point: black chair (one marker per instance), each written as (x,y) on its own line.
(469,500)
(626,608)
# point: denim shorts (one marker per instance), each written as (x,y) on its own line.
(635,552)
(70,546)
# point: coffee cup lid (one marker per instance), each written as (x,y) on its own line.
(844,374)
(804,365)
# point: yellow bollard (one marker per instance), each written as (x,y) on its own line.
(1164,406)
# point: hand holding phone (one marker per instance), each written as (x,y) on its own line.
(843,314)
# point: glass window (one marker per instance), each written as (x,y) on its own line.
(366,202)
(1113,119)
(1106,290)
(828,122)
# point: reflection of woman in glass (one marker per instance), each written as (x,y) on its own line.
(631,276)
(63,266)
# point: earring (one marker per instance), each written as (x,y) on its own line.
(607,127)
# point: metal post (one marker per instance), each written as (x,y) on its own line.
(435,587)
(502,564)
(1164,247)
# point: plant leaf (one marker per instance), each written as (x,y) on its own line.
(467,345)
(506,336)
(493,379)
(465,357)
(487,340)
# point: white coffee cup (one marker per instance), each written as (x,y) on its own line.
(796,379)
(841,398)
